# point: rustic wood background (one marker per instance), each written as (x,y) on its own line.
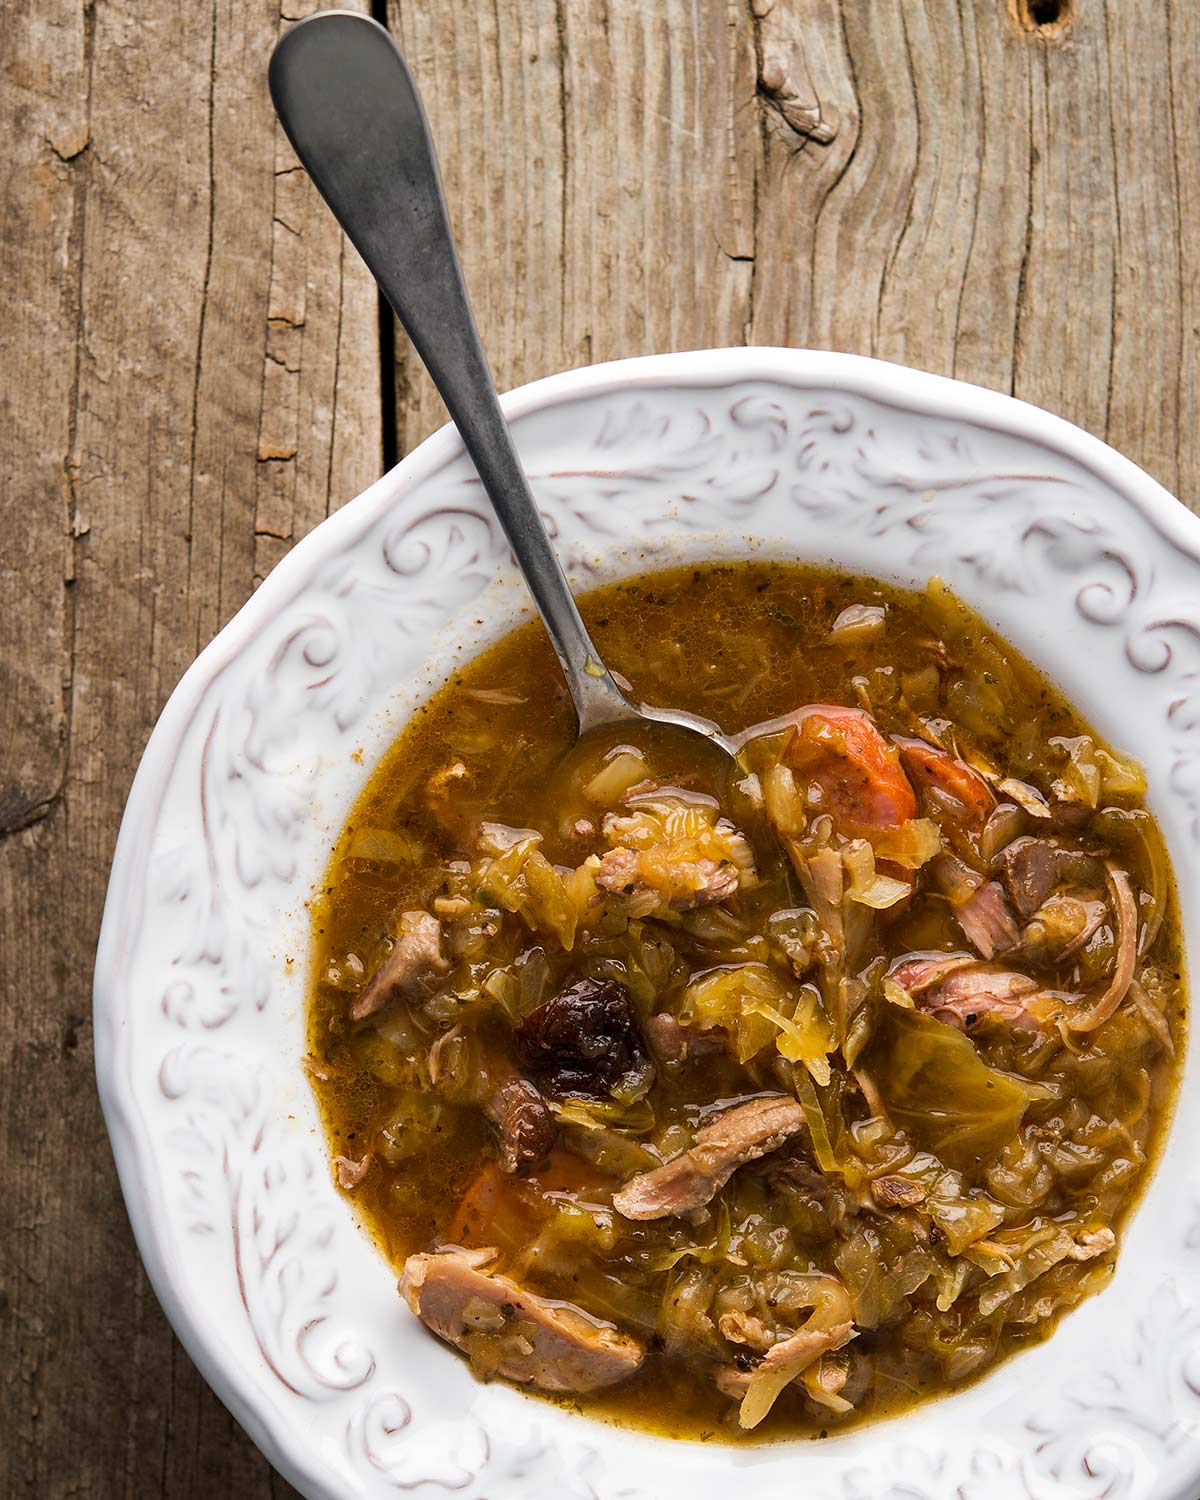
(195,371)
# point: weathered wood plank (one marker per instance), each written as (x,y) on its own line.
(1181,72)
(43,100)
(43,95)
(152,296)
(1149,334)
(1065,317)
(1000,201)
(599,164)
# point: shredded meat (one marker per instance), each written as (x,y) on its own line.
(350,1173)
(675,885)
(801,1349)
(979,905)
(920,971)
(735,1137)
(1091,1243)
(1029,870)
(416,958)
(986,921)
(962,991)
(524,1125)
(505,1330)
(746,1328)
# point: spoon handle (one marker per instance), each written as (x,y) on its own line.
(350,108)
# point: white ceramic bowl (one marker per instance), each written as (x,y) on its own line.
(1081,560)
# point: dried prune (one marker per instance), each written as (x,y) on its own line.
(586,1042)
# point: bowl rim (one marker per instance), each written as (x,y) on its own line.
(897,386)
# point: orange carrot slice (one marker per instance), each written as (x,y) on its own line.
(858,772)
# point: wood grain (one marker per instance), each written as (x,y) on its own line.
(170,260)
(192,379)
(1006,205)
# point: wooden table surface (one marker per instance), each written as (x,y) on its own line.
(195,371)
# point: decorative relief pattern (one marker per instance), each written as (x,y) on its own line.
(243,1183)
(262,775)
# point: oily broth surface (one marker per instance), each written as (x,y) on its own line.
(740,644)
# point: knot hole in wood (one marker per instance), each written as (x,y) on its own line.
(1045,16)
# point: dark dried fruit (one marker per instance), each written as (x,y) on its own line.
(586,1043)
(524,1126)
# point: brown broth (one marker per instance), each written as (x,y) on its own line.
(741,644)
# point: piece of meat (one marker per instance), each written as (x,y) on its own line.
(746,1328)
(921,971)
(469,1070)
(1091,1243)
(931,768)
(897,1192)
(349,1172)
(855,772)
(986,921)
(689,1181)
(525,1132)
(587,1041)
(964,991)
(667,1038)
(672,1042)
(505,1330)
(405,973)
(801,1350)
(1029,868)
(667,884)
(1069,816)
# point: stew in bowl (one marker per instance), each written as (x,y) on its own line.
(754,1103)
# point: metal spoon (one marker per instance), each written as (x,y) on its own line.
(350,108)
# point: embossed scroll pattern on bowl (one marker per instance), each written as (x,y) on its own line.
(1075,555)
